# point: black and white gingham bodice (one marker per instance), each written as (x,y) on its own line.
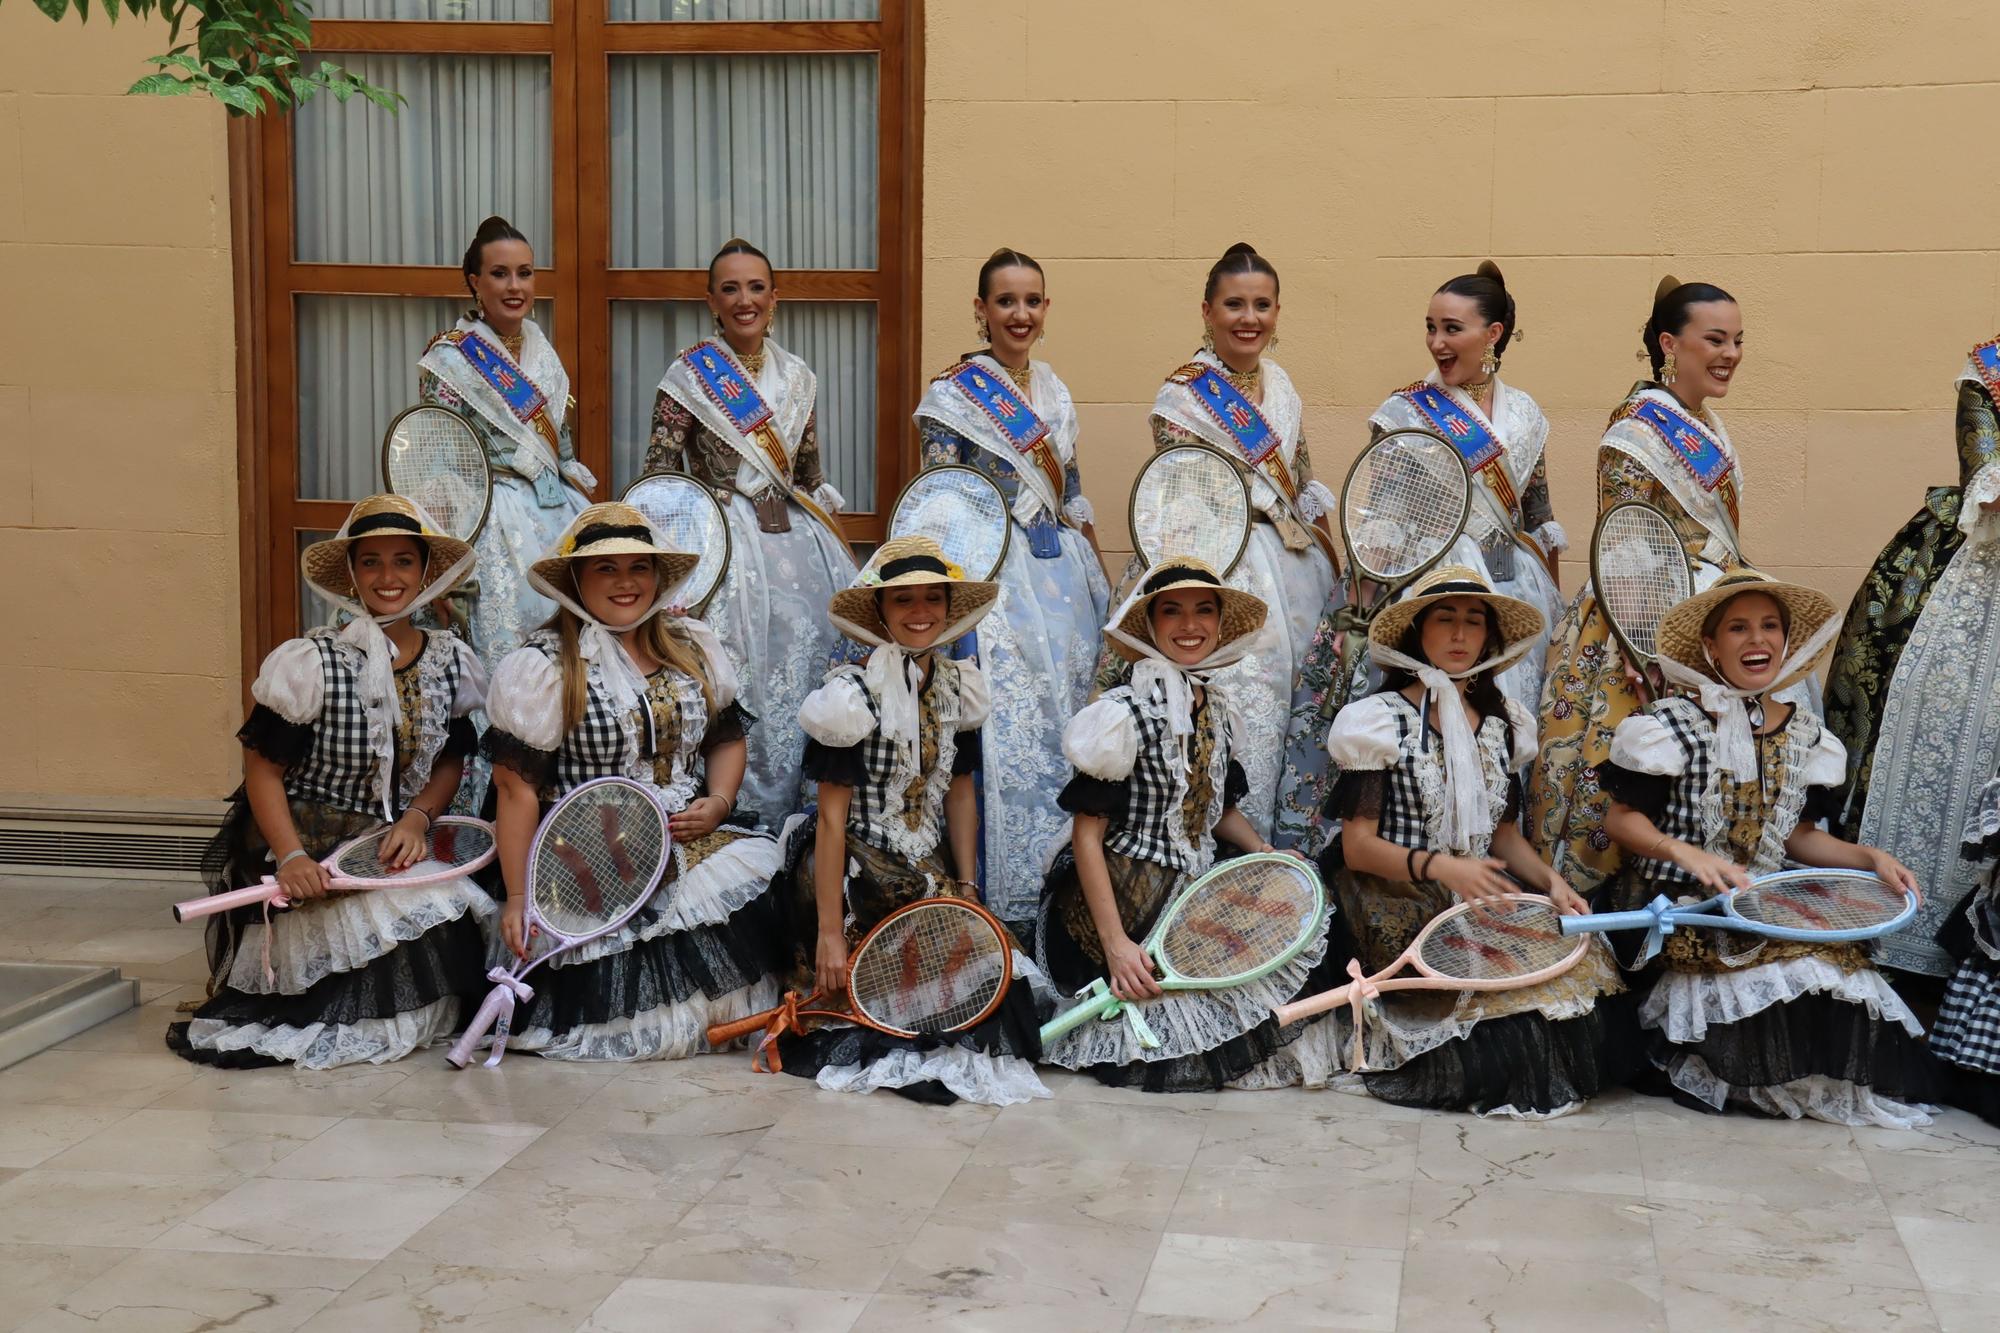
(1413,792)
(662,750)
(900,805)
(341,768)
(1155,824)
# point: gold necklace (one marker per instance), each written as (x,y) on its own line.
(1477,391)
(1024,378)
(753,361)
(513,342)
(1246,382)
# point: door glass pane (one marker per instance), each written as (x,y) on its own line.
(836,338)
(435,11)
(779,149)
(357,370)
(314,609)
(718,11)
(412,187)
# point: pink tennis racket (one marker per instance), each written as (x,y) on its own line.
(596,860)
(458,846)
(1495,944)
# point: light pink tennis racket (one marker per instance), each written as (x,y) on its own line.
(1495,944)
(596,860)
(458,846)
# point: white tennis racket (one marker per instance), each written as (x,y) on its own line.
(1639,570)
(596,860)
(1493,944)
(431,455)
(1244,919)
(456,846)
(960,509)
(1405,502)
(690,519)
(1190,500)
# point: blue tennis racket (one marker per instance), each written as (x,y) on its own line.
(1811,906)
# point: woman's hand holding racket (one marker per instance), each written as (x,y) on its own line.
(514,928)
(302,879)
(830,964)
(1717,873)
(1474,879)
(1130,969)
(407,842)
(703,816)
(1887,868)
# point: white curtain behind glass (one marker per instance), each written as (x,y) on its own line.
(715,11)
(410,188)
(780,150)
(357,370)
(836,338)
(436,11)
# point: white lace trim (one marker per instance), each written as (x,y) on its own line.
(1079,511)
(1982,489)
(1551,537)
(708,895)
(989,1080)
(345,931)
(1683,1004)
(1187,1022)
(670,1032)
(1817,1097)
(324,1045)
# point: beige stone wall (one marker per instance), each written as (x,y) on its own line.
(119,666)
(1822,159)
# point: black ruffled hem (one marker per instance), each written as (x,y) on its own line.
(1013,1029)
(970,754)
(1527,1061)
(283,743)
(1645,792)
(839,764)
(1085,795)
(461,739)
(1814,1035)
(1235,785)
(733,723)
(1975,1091)
(504,750)
(447,960)
(712,961)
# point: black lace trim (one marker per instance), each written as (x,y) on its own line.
(971,753)
(506,750)
(461,739)
(1357,792)
(1012,1029)
(1814,1034)
(731,724)
(841,765)
(1645,792)
(283,743)
(1085,795)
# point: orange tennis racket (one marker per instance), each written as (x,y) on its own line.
(936,966)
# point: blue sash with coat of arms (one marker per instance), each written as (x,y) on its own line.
(1027,433)
(1701,453)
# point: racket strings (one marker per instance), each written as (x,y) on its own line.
(1640,573)
(435,460)
(595,861)
(962,512)
(688,520)
(450,844)
(1189,502)
(1405,504)
(933,970)
(1835,902)
(1511,939)
(1238,923)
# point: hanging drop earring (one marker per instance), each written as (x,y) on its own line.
(980,331)
(716,321)
(1207,338)
(771,324)
(1489,363)
(1668,370)
(1272,345)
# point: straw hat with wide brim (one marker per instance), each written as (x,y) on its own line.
(908,562)
(327,564)
(612,528)
(1242,613)
(1518,620)
(1807,610)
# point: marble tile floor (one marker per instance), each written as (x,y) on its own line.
(141,1193)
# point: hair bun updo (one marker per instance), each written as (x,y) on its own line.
(1486,288)
(1241,257)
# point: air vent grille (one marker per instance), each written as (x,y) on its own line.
(101,851)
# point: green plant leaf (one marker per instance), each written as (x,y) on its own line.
(161,85)
(55,9)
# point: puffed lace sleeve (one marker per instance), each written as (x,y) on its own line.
(290,683)
(525,701)
(471,695)
(1102,741)
(1521,723)
(1364,736)
(1644,744)
(975,696)
(837,714)
(1826,762)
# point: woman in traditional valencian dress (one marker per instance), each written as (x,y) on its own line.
(353,728)
(1234,398)
(1429,798)
(618,684)
(1667,447)
(1967,1034)
(1915,686)
(1157,786)
(736,412)
(501,372)
(1501,432)
(1716,786)
(1010,417)
(893,746)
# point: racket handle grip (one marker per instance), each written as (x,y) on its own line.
(1602,921)
(196,908)
(1069,1020)
(482,1023)
(723,1033)
(1288,1014)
